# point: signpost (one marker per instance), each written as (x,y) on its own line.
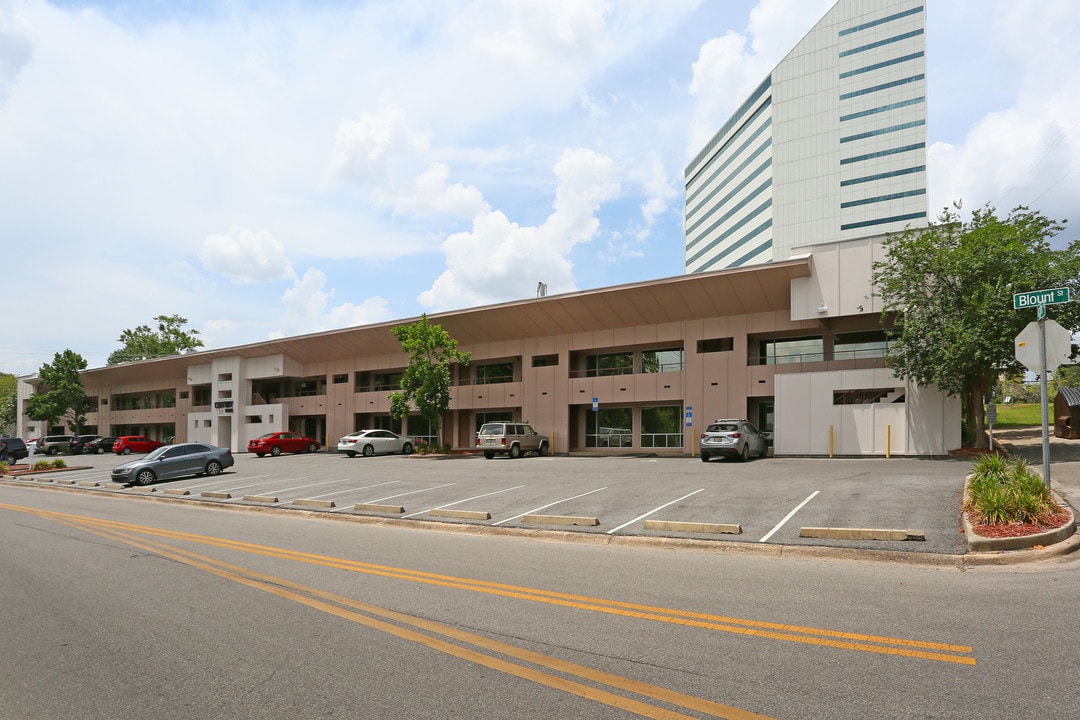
(1024,352)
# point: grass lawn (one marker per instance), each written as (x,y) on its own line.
(1021,415)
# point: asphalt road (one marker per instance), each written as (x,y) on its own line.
(114,607)
(763,504)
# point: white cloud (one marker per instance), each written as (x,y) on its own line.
(15,47)
(1028,152)
(246,256)
(500,260)
(370,150)
(306,308)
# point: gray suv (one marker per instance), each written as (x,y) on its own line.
(512,439)
(54,444)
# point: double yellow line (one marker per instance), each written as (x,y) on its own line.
(382,619)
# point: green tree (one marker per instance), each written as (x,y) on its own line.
(8,403)
(64,398)
(947,299)
(426,381)
(144,343)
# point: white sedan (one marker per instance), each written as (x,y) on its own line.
(371,442)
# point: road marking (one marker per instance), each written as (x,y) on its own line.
(789,516)
(545,507)
(474,497)
(612,531)
(411,492)
(921,649)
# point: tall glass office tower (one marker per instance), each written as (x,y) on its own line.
(830,146)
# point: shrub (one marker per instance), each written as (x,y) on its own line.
(58,463)
(1001,492)
(42,465)
(3,467)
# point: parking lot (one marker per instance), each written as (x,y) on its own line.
(765,501)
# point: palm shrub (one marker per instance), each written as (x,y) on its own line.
(1002,492)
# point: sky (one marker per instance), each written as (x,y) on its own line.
(270,169)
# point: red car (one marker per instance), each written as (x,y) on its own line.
(276,443)
(127,444)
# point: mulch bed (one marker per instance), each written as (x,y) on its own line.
(1019,529)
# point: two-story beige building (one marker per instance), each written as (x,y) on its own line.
(797,347)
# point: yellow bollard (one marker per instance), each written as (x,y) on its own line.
(888,441)
(830,440)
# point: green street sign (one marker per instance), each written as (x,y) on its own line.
(1040,298)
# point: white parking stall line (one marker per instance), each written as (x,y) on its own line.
(475,497)
(300,487)
(346,491)
(654,510)
(789,516)
(411,492)
(217,479)
(545,507)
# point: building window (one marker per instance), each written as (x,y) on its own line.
(611,427)
(868,396)
(545,360)
(386,381)
(224,377)
(661,427)
(252,419)
(224,394)
(421,431)
(486,417)
(493,373)
(713,345)
(609,364)
(792,350)
(658,361)
(857,345)
(342,378)
(183,394)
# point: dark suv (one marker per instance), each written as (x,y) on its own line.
(78,444)
(16,448)
(512,439)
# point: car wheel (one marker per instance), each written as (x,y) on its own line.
(145,477)
(260,454)
(407,449)
(745,454)
(704,458)
(350,453)
(127,451)
(275,451)
(312,447)
(52,451)
(489,454)
(368,451)
(515,451)
(100,451)
(543,450)
(213,468)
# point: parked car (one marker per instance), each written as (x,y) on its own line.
(168,462)
(127,444)
(512,439)
(374,442)
(99,446)
(53,444)
(16,448)
(77,446)
(734,438)
(275,443)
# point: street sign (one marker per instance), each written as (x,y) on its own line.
(1058,346)
(595,404)
(1037,298)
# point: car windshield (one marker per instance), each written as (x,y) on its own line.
(723,427)
(491,430)
(266,436)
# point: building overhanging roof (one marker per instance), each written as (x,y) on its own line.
(735,291)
